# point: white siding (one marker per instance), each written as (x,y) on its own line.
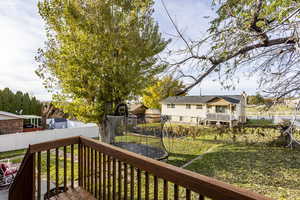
(181,110)
(191,115)
(188,115)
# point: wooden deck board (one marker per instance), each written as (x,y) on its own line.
(74,194)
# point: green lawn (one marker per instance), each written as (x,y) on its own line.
(271,171)
(259,122)
(182,150)
(10,154)
(251,160)
(149,125)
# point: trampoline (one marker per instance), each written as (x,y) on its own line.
(137,134)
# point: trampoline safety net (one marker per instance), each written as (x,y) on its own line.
(142,135)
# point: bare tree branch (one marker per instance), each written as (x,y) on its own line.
(236,40)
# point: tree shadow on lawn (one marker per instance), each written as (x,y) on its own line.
(179,159)
(244,164)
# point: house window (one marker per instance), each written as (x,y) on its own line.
(170,105)
(180,118)
(188,106)
(220,109)
(198,106)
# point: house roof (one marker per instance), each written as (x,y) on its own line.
(235,99)
(10,115)
(133,107)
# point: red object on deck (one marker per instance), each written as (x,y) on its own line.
(32,129)
(7,170)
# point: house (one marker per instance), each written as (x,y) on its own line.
(137,109)
(152,115)
(10,123)
(210,109)
(137,112)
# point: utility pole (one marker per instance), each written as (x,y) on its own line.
(200,90)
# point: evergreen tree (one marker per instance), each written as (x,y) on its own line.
(19,103)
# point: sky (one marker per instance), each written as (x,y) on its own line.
(22,33)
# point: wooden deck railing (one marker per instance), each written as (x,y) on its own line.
(108,172)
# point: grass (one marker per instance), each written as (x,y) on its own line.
(251,160)
(149,125)
(10,154)
(259,122)
(182,150)
(271,171)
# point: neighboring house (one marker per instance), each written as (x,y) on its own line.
(10,123)
(229,109)
(58,123)
(138,109)
(152,115)
(136,113)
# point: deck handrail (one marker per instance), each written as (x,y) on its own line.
(25,179)
(106,172)
(207,186)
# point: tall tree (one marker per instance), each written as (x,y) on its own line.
(19,103)
(257,36)
(99,53)
(7,98)
(160,90)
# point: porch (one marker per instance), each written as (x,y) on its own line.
(94,170)
(222,117)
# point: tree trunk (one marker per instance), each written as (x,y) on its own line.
(44,122)
(105,132)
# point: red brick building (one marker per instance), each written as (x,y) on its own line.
(10,123)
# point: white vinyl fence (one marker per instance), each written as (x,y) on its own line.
(17,141)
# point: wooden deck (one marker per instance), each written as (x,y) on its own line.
(103,171)
(72,194)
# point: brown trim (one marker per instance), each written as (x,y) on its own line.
(52,144)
